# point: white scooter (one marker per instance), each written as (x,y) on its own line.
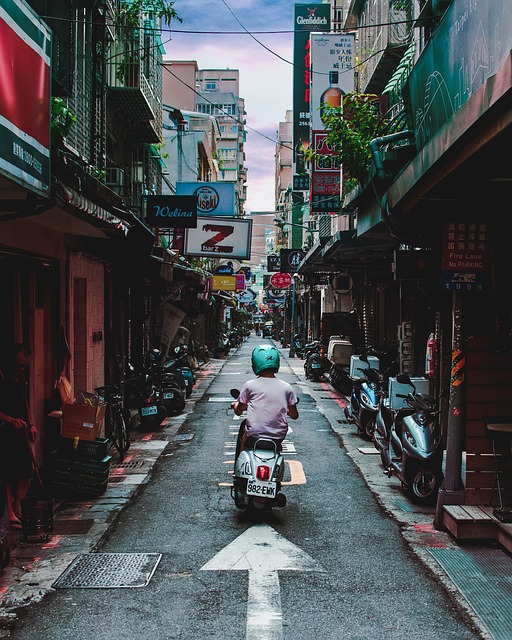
(258,473)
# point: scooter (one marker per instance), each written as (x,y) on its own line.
(384,419)
(416,453)
(178,365)
(146,397)
(258,472)
(364,400)
(314,364)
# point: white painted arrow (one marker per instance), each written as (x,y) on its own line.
(262,552)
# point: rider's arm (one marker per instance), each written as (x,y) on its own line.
(293,412)
(239,408)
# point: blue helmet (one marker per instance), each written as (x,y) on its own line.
(265,357)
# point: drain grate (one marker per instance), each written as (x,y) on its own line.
(484,577)
(183,437)
(109,571)
(68,527)
(132,464)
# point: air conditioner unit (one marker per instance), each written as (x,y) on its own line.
(115,177)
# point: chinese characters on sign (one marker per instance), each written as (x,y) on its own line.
(465,261)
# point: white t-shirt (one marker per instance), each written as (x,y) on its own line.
(267,401)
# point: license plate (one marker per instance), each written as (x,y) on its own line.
(168,395)
(149,411)
(316,365)
(262,489)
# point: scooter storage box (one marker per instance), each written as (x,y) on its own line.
(356,363)
(394,387)
(339,351)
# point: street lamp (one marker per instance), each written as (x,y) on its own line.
(283,223)
(291,353)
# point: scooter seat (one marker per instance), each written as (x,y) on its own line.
(265,444)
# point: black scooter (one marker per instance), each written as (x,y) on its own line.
(314,362)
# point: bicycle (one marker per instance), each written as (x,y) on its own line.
(115,423)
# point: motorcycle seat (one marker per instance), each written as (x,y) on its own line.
(264,443)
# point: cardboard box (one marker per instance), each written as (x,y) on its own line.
(394,387)
(82,421)
(356,363)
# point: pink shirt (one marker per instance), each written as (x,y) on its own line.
(267,401)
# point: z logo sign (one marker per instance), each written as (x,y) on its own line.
(221,233)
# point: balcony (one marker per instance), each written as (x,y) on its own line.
(130,94)
(383,45)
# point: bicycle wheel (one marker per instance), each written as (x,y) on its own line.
(120,438)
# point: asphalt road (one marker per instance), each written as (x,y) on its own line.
(331,564)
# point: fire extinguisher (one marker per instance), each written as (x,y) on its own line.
(430,356)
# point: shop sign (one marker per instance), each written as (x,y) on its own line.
(170,212)
(224,283)
(25,91)
(290,260)
(280,280)
(220,238)
(213,198)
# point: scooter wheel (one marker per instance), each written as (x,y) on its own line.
(424,485)
(177,405)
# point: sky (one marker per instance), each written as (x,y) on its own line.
(212,35)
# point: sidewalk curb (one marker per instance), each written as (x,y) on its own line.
(34,567)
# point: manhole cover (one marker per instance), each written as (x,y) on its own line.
(109,571)
(183,437)
(72,527)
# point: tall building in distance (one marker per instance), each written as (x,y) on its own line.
(218,95)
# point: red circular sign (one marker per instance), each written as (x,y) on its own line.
(280,280)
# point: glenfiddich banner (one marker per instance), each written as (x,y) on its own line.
(171,212)
(308,17)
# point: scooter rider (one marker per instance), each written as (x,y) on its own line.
(268,400)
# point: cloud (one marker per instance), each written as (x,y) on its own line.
(265,71)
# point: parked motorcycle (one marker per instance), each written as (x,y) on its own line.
(314,367)
(416,453)
(364,399)
(298,344)
(143,393)
(179,365)
(151,410)
(258,472)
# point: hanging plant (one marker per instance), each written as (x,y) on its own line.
(351,127)
(62,120)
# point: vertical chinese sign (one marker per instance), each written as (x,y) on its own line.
(465,257)
(308,17)
(332,76)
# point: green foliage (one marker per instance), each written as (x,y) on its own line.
(62,117)
(352,126)
(131,11)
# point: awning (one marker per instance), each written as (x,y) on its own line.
(348,252)
(312,258)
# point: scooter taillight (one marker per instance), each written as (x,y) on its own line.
(263,472)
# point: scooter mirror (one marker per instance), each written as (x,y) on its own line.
(234,393)
(403,378)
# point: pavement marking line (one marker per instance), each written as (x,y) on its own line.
(296,472)
(262,552)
